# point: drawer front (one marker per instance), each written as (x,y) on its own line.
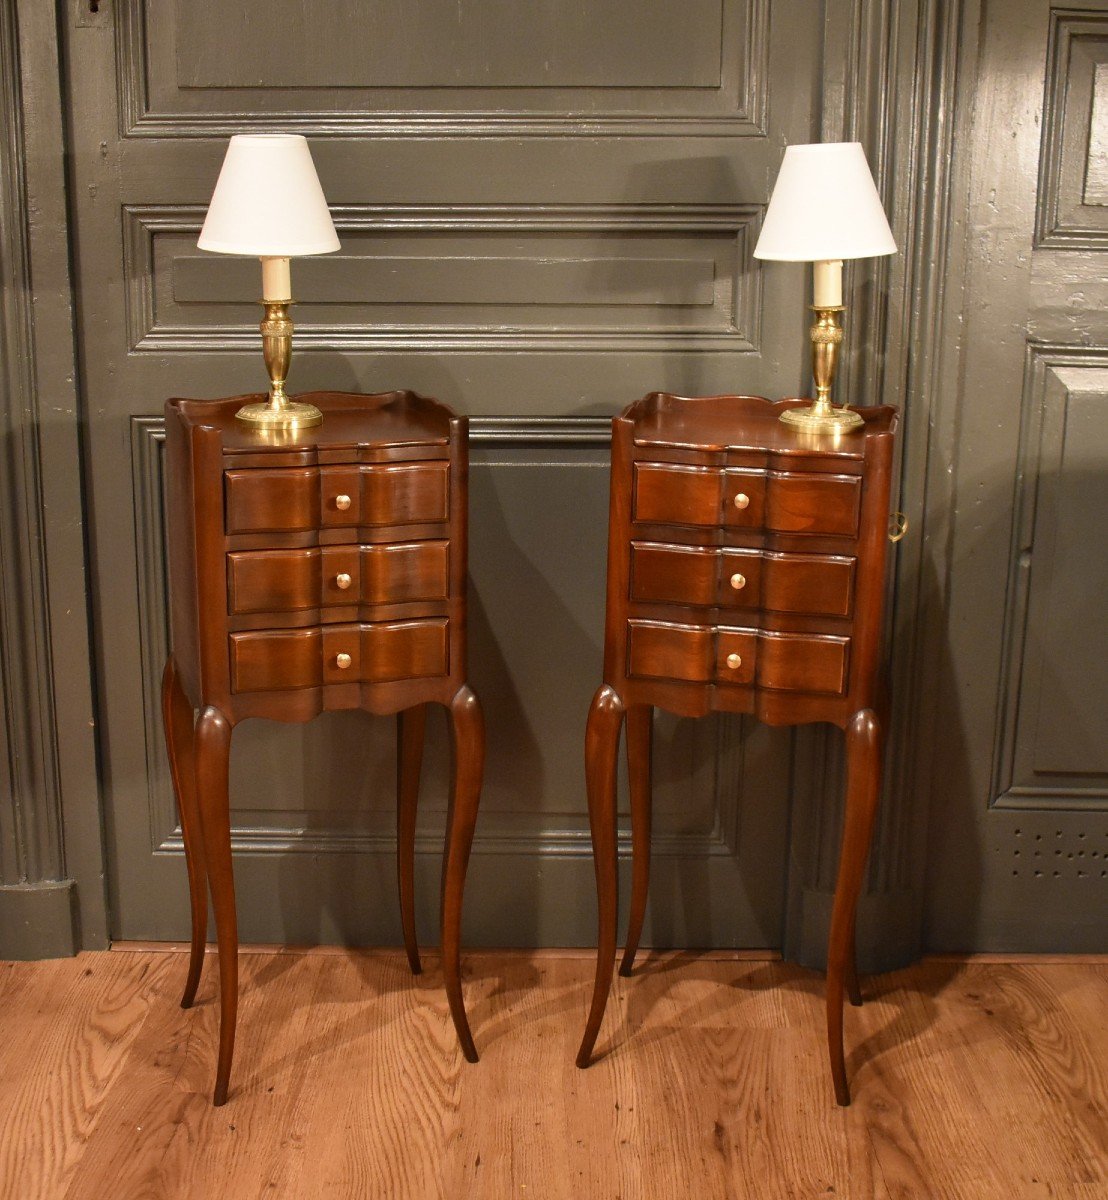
(794,662)
(282,660)
(291,580)
(820,585)
(814,584)
(824,504)
(683,495)
(693,653)
(260,500)
(664,574)
(710,654)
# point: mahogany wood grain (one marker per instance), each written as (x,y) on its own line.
(213,754)
(772,607)
(467,753)
(639,738)
(864,746)
(179,722)
(259,532)
(410,728)
(601,753)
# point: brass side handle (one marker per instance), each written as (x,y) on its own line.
(742,500)
(342,581)
(898,526)
(734,661)
(343,661)
(738,582)
(342,502)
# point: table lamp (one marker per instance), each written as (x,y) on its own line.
(268,203)
(824,208)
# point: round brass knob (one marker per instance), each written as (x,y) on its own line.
(734,661)
(342,502)
(738,582)
(342,581)
(742,500)
(343,661)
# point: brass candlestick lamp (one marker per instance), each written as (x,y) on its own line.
(268,203)
(824,209)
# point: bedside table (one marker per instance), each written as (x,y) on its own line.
(311,571)
(746,574)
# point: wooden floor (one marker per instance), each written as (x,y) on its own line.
(974,1080)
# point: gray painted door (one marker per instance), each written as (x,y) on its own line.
(1018,852)
(545,210)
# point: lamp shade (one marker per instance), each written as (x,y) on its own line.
(824,206)
(268,201)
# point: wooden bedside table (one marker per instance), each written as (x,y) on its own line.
(746,573)
(311,571)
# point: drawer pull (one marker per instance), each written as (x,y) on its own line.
(738,582)
(742,500)
(342,581)
(734,661)
(342,502)
(343,661)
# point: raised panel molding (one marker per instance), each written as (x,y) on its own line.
(167,90)
(676,278)
(1072,209)
(1052,737)
(718,741)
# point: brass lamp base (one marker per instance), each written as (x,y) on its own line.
(279,412)
(292,414)
(823,417)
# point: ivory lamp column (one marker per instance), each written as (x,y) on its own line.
(827,283)
(824,209)
(276,280)
(268,204)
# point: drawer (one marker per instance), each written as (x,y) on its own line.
(695,575)
(296,499)
(791,662)
(781,501)
(281,660)
(816,584)
(291,580)
(799,502)
(668,494)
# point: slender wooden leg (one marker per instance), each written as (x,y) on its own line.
(410,726)
(863,786)
(213,752)
(853,988)
(601,754)
(467,752)
(179,723)
(640,722)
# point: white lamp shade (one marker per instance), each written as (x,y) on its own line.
(824,206)
(268,201)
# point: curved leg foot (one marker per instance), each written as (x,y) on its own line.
(213,752)
(601,752)
(467,749)
(179,723)
(863,786)
(410,726)
(639,729)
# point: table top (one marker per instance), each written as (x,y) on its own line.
(349,419)
(716,423)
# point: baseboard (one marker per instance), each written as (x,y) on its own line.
(36,921)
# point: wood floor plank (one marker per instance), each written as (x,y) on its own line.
(972,1081)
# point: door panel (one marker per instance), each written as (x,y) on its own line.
(559,218)
(1019,840)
